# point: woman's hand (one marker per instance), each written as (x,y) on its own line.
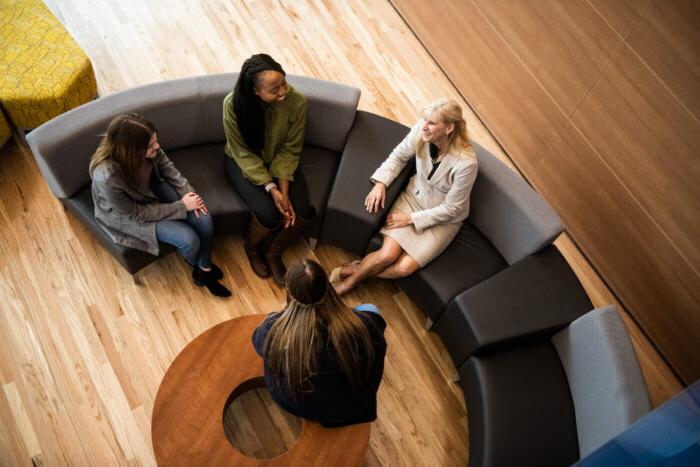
(194,202)
(291,214)
(375,199)
(397,220)
(284,206)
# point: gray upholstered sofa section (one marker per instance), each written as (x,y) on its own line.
(189,116)
(552,401)
(537,296)
(187,112)
(347,223)
(515,219)
(520,410)
(508,221)
(604,377)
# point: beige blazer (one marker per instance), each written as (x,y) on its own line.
(445,197)
(129,214)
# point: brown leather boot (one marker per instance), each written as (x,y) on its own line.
(255,239)
(282,240)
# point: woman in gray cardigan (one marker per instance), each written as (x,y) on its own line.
(141,198)
(429,212)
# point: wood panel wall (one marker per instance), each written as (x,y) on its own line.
(598,104)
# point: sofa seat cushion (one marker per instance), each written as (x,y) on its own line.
(468,260)
(133,260)
(533,298)
(203,166)
(520,408)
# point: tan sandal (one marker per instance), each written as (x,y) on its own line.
(335,273)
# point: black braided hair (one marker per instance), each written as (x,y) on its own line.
(249,108)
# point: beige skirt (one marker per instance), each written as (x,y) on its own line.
(424,246)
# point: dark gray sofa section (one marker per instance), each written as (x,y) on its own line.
(508,222)
(520,408)
(347,224)
(468,260)
(204,168)
(188,114)
(554,400)
(536,296)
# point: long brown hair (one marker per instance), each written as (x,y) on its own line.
(126,143)
(449,111)
(295,341)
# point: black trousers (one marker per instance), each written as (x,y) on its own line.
(260,201)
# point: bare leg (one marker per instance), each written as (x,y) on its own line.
(371,264)
(402,267)
(349,269)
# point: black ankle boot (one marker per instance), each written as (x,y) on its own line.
(216,271)
(207,279)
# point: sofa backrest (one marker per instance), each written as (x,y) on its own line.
(186,111)
(513,216)
(606,383)
(331,111)
(330,114)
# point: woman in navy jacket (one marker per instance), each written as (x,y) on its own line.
(323,360)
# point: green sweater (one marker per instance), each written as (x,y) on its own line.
(285,124)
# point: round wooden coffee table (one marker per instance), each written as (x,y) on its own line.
(221,363)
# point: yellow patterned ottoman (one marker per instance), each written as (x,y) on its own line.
(43,71)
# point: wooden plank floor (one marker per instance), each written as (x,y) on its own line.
(84,348)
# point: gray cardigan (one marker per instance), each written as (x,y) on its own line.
(129,214)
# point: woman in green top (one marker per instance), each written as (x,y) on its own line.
(264,122)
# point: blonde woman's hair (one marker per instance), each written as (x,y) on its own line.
(448,111)
(296,340)
(125,142)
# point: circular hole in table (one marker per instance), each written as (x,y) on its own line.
(255,425)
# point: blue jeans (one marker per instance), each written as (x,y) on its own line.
(193,237)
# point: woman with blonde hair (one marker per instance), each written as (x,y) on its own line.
(323,360)
(141,198)
(429,212)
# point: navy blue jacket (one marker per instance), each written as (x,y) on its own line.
(331,400)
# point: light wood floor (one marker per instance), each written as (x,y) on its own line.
(84,348)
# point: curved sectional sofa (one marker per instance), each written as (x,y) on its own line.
(500,287)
